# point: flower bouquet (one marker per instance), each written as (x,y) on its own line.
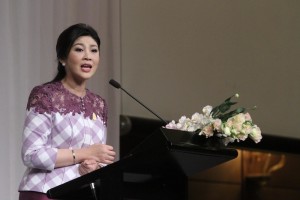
(234,125)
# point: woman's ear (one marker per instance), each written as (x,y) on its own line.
(62,62)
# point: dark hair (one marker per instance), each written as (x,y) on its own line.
(65,41)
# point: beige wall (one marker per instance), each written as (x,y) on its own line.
(180,55)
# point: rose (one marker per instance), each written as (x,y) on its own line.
(186,124)
(207,131)
(217,125)
(207,110)
(197,121)
(182,123)
(247,128)
(239,118)
(171,125)
(236,123)
(197,118)
(242,136)
(255,135)
(248,117)
(226,130)
(192,127)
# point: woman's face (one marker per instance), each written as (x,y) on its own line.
(83,59)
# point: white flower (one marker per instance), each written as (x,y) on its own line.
(206,110)
(217,123)
(181,125)
(227,131)
(227,140)
(239,118)
(183,119)
(246,128)
(242,137)
(192,128)
(197,118)
(236,128)
(171,125)
(248,117)
(234,132)
(207,131)
(256,134)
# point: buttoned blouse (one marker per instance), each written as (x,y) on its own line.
(58,119)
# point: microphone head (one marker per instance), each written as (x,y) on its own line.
(114,83)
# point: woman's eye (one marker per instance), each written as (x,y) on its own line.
(78,49)
(94,50)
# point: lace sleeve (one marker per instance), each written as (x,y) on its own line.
(39,100)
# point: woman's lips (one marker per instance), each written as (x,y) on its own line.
(86,67)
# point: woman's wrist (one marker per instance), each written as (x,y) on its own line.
(80,155)
(74,156)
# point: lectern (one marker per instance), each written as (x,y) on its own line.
(157,168)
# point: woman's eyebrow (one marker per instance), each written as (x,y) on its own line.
(81,44)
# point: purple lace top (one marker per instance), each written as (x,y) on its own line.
(54,97)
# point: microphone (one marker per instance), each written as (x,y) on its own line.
(118,86)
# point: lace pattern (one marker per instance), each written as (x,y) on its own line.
(54,97)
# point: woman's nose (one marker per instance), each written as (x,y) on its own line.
(87,55)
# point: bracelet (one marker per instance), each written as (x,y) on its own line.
(74,157)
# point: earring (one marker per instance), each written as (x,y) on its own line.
(63,64)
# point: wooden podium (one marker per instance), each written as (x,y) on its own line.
(158,168)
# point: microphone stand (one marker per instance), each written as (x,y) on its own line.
(93,189)
(118,86)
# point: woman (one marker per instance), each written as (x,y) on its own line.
(65,128)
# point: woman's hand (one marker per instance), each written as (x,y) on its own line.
(101,153)
(88,166)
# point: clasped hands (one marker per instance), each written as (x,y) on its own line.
(99,155)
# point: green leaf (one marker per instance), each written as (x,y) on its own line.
(228,99)
(226,116)
(226,106)
(214,110)
(240,110)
